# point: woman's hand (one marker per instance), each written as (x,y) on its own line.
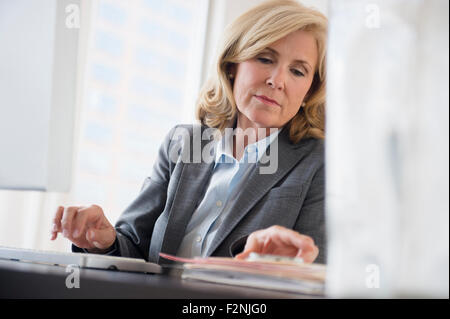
(278,240)
(86,227)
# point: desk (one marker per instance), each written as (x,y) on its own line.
(27,280)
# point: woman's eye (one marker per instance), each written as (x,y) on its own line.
(265,60)
(297,72)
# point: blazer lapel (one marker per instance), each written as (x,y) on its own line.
(258,185)
(193,180)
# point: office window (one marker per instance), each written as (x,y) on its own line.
(139,65)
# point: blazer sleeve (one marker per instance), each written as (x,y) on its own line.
(311,220)
(135,226)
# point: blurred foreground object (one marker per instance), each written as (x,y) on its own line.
(387,149)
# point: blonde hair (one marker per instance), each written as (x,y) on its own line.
(248,36)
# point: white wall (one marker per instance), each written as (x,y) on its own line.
(38,91)
(38,63)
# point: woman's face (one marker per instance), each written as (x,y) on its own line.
(269,89)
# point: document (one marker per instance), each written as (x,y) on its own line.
(274,275)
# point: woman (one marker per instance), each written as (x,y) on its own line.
(269,89)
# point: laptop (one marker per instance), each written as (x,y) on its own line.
(83,260)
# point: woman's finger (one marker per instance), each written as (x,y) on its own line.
(79,222)
(253,244)
(310,255)
(66,222)
(56,227)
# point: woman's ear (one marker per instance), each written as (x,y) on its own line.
(313,87)
(305,99)
(231,70)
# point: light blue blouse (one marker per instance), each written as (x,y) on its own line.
(226,180)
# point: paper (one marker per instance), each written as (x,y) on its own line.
(283,276)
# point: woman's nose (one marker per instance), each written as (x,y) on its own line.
(276,79)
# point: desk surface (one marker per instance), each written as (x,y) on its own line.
(27,280)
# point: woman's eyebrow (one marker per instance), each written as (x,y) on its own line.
(275,52)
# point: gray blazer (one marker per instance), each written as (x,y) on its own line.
(292,197)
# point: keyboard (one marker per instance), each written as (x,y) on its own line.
(83,260)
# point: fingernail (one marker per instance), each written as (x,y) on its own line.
(65,233)
(76,233)
(55,227)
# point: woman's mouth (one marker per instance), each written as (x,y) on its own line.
(267,100)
